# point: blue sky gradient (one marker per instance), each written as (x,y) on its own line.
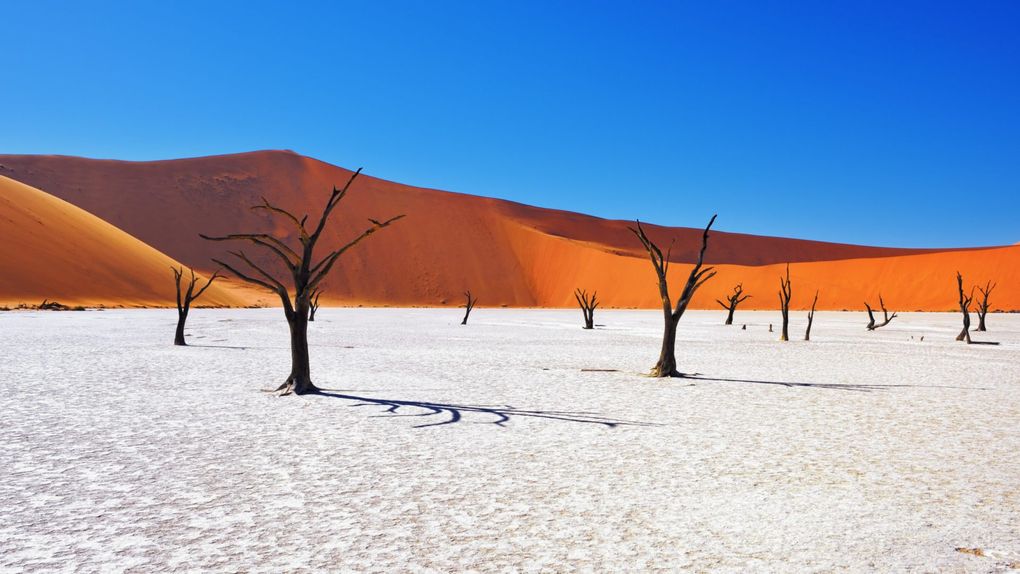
(858,122)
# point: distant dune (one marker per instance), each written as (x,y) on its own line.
(507,253)
(54,250)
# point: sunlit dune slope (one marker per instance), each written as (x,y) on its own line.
(506,253)
(54,250)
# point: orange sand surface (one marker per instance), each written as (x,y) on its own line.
(506,253)
(54,250)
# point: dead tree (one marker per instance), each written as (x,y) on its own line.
(982,305)
(785,293)
(732,301)
(886,317)
(468,306)
(306,275)
(184,301)
(666,365)
(965,309)
(313,304)
(588,305)
(811,318)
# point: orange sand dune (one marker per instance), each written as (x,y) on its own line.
(54,250)
(507,253)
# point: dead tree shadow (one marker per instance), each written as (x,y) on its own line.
(454,413)
(853,387)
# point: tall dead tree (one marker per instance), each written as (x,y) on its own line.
(965,309)
(186,298)
(732,301)
(468,305)
(811,318)
(981,308)
(313,304)
(785,293)
(886,317)
(305,275)
(588,305)
(666,365)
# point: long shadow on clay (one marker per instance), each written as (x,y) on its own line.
(860,388)
(448,413)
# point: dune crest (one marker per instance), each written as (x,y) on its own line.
(507,253)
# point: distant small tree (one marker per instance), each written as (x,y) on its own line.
(811,318)
(305,275)
(732,301)
(186,298)
(666,365)
(785,293)
(886,317)
(313,304)
(588,305)
(965,309)
(468,306)
(982,305)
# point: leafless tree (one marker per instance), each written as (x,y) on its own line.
(468,306)
(306,275)
(666,365)
(185,300)
(811,318)
(886,317)
(588,305)
(785,293)
(313,303)
(982,306)
(965,309)
(732,301)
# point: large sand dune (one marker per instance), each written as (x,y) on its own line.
(54,250)
(507,253)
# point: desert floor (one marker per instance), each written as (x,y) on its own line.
(493,447)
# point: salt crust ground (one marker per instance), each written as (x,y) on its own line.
(855,452)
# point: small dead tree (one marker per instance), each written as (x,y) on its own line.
(886,317)
(185,300)
(313,304)
(666,365)
(981,308)
(965,302)
(785,293)
(468,306)
(732,301)
(306,275)
(811,318)
(588,305)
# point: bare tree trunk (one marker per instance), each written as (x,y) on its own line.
(588,305)
(666,365)
(811,318)
(468,306)
(182,317)
(785,293)
(300,378)
(886,317)
(965,309)
(982,305)
(185,298)
(732,301)
(306,274)
(313,304)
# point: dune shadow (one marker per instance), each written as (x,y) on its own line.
(451,413)
(852,387)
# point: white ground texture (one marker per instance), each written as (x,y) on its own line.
(448,448)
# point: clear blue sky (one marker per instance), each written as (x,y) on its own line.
(853,121)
